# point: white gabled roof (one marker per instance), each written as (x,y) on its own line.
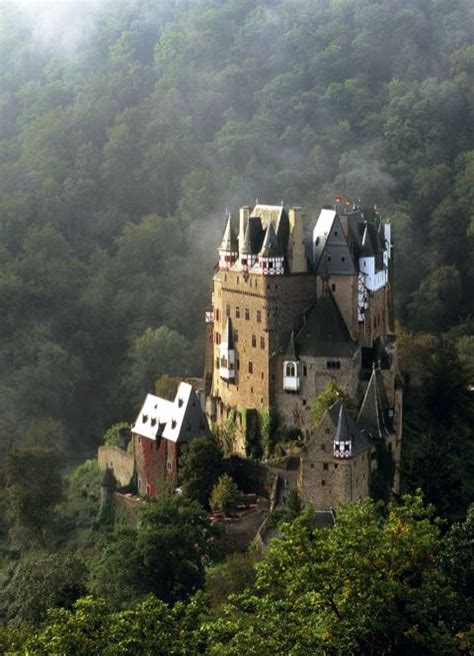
(177,420)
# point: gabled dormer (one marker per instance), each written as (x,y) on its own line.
(227,353)
(229,249)
(291,366)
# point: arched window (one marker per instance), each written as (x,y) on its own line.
(290,369)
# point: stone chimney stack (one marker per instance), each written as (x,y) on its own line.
(296,246)
(243,220)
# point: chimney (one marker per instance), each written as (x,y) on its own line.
(296,245)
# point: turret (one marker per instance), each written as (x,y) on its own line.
(270,257)
(291,374)
(228,250)
(342,438)
(227,353)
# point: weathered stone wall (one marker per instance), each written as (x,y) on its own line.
(325,480)
(263,311)
(294,407)
(121,462)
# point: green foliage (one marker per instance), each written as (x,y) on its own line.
(90,629)
(166,386)
(313,595)
(330,394)
(200,466)
(114,163)
(112,434)
(154,352)
(233,576)
(438,445)
(33,488)
(164,555)
(268,430)
(224,495)
(41,582)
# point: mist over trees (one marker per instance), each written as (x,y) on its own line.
(122,144)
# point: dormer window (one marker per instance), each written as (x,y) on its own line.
(180,403)
(145,418)
(153,421)
(173,423)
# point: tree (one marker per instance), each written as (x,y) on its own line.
(42,582)
(371,584)
(33,488)
(166,386)
(164,555)
(91,629)
(224,495)
(199,468)
(155,352)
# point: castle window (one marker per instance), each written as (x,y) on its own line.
(217,315)
(227,310)
(333,364)
(328,430)
(336,466)
(323,447)
(305,370)
(329,258)
(335,233)
(236,335)
(254,341)
(323,482)
(343,259)
(250,367)
(237,312)
(237,279)
(180,403)
(312,466)
(217,363)
(259,316)
(325,466)
(238,364)
(262,342)
(262,376)
(169,466)
(290,370)
(247,314)
(333,287)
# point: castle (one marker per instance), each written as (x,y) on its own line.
(293,308)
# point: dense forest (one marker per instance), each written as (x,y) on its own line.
(125,133)
(120,151)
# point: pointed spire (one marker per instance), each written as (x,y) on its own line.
(291,348)
(343,433)
(374,406)
(270,246)
(229,240)
(246,248)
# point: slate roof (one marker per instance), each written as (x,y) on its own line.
(271,247)
(324,332)
(373,411)
(347,430)
(229,240)
(277,216)
(253,236)
(333,255)
(177,421)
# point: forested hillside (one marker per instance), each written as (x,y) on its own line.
(120,153)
